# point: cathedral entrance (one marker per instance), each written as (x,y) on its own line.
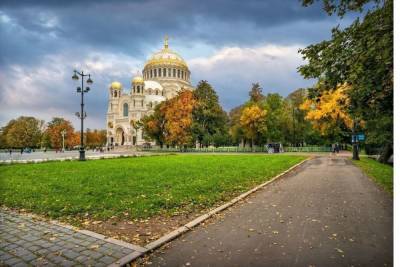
(120,137)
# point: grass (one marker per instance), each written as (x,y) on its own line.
(382,174)
(139,187)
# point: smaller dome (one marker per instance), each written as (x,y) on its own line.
(116,86)
(137,79)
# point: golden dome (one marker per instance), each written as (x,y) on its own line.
(116,86)
(166,57)
(137,79)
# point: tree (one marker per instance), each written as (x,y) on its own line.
(276,123)
(256,93)
(235,129)
(329,113)
(342,6)
(253,122)
(53,132)
(171,122)
(136,125)
(361,55)
(154,125)
(22,132)
(95,138)
(209,119)
(178,118)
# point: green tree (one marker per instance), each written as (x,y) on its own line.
(256,93)
(154,125)
(22,132)
(273,104)
(342,6)
(209,119)
(360,55)
(136,125)
(235,129)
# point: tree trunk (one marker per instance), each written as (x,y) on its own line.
(252,144)
(386,153)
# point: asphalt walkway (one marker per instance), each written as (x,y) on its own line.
(326,213)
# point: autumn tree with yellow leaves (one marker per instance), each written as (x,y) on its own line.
(328,113)
(171,122)
(178,116)
(252,120)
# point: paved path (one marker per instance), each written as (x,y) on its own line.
(28,242)
(326,213)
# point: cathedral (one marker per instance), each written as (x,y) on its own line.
(163,76)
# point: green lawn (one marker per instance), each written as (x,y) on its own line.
(142,186)
(380,173)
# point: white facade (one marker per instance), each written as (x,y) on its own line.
(163,76)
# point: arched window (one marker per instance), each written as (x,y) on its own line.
(126,110)
(138,89)
(164,72)
(156,92)
(155,72)
(174,72)
(169,72)
(159,72)
(115,93)
(179,73)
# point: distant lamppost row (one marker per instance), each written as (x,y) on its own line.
(82,115)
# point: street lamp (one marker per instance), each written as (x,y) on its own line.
(63,133)
(82,115)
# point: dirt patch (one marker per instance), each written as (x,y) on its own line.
(139,231)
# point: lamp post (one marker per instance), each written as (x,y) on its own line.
(82,115)
(63,133)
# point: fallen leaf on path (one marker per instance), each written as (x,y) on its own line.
(339,250)
(94,247)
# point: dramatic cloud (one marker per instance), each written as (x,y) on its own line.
(229,43)
(232,70)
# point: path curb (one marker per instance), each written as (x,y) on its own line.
(189,226)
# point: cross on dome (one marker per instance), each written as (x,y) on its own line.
(166,41)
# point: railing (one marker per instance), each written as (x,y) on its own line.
(205,149)
(308,149)
(236,149)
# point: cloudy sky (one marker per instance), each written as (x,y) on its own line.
(229,43)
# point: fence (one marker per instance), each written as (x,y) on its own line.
(236,149)
(308,149)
